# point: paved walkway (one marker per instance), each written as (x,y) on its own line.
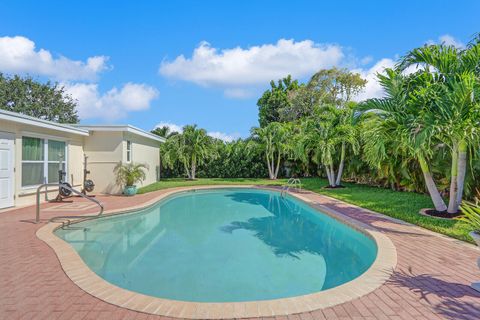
(431,280)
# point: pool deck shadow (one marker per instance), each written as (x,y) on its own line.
(431,279)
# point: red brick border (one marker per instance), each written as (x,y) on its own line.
(86,279)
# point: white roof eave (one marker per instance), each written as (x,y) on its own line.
(24,119)
(123,128)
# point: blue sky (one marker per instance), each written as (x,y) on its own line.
(207,62)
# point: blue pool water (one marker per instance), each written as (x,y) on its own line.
(223,245)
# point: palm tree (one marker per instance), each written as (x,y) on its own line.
(164,131)
(191,148)
(326,136)
(458,109)
(400,124)
(348,134)
(273,141)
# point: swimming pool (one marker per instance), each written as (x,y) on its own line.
(223,245)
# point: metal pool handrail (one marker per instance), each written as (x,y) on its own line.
(292,182)
(45,185)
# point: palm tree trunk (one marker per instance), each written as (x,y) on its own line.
(278,165)
(187,170)
(329,176)
(270,173)
(272,165)
(332,174)
(340,167)
(431,187)
(194,168)
(452,203)
(462,169)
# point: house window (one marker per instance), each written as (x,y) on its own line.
(56,151)
(40,160)
(129,151)
(33,164)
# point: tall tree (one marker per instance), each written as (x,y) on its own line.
(273,141)
(458,109)
(46,101)
(274,99)
(336,86)
(328,86)
(401,122)
(326,135)
(164,131)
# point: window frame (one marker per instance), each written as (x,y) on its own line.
(45,160)
(129,151)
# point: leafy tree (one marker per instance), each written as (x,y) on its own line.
(274,99)
(44,101)
(336,86)
(457,115)
(301,103)
(328,86)
(191,148)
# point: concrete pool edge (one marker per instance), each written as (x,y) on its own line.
(87,280)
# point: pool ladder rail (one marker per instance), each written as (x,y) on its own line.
(66,219)
(294,183)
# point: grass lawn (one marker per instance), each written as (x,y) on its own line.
(400,205)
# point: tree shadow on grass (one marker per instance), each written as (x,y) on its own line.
(449,299)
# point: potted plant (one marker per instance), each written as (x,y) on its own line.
(128,174)
(471,215)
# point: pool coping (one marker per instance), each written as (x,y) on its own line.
(87,280)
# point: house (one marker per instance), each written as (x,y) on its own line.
(32,149)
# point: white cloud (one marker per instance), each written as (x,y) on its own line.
(112,105)
(19,55)
(237,68)
(449,41)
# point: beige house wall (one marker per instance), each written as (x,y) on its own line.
(145,151)
(74,143)
(104,150)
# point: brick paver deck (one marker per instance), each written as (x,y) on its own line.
(431,280)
